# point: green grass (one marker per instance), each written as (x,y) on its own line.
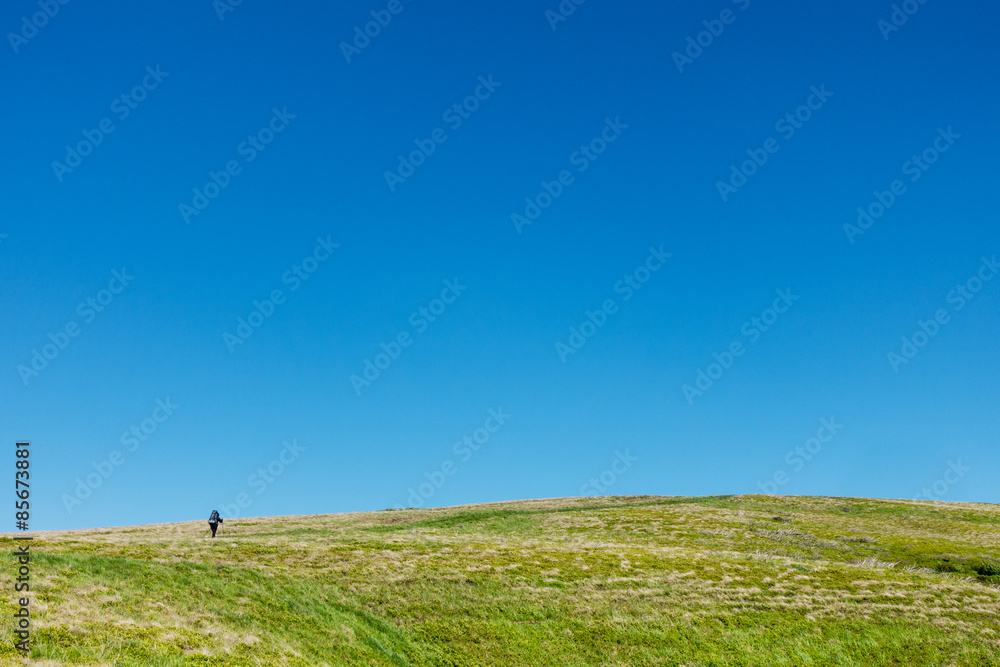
(698,582)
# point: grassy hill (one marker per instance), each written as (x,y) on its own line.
(738,580)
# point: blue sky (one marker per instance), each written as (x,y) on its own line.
(626,143)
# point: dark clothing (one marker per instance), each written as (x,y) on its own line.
(214,521)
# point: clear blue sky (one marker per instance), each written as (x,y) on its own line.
(641,139)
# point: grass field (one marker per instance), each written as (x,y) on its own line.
(735,580)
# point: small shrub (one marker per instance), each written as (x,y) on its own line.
(986,568)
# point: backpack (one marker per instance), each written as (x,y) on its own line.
(215,517)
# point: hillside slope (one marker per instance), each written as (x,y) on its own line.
(740,580)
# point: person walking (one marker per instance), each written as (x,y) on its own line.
(214,520)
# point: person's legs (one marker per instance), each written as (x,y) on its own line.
(213,526)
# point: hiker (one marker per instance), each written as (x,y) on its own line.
(213,521)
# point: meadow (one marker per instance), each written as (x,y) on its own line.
(648,580)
